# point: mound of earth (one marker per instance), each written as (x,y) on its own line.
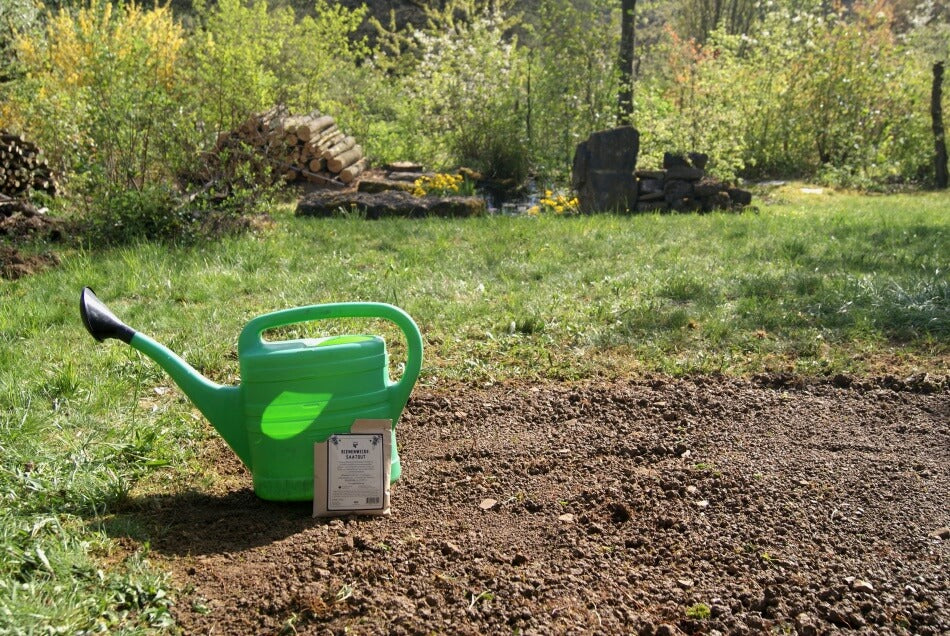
(16,264)
(647,507)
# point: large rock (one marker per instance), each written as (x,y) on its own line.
(376,205)
(603,171)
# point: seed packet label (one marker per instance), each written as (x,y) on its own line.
(355,472)
(352,469)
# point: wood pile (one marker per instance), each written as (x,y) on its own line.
(683,186)
(296,148)
(23,168)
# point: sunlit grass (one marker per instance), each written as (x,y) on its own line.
(815,284)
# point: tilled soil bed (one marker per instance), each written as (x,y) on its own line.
(652,506)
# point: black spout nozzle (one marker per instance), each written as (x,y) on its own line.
(101,322)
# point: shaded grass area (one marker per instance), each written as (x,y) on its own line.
(819,284)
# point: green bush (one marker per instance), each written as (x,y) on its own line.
(153,213)
(246,57)
(464,98)
(833,97)
(571,51)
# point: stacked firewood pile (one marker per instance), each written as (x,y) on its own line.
(294,147)
(22,167)
(683,186)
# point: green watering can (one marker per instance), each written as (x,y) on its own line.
(293,393)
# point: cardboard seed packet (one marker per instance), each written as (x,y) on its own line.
(351,471)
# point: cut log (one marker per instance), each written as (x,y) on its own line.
(328,141)
(313,126)
(343,160)
(22,167)
(339,147)
(327,133)
(316,165)
(348,175)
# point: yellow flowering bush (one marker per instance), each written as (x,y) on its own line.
(101,88)
(552,203)
(440,184)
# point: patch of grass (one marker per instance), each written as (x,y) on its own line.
(840,283)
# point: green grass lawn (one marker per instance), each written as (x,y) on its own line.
(814,284)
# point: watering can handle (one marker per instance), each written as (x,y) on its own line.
(251,335)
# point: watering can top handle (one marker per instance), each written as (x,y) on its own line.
(252,334)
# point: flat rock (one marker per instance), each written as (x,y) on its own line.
(376,184)
(686,173)
(391,203)
(404,166)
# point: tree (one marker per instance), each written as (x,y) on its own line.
(930,34)
(940,142)
(15,16)
(625,61)
(699,18)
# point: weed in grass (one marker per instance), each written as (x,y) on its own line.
(699,611)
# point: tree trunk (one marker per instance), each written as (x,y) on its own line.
(936,115)
(625,61)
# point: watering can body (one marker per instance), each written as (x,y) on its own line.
(293,393)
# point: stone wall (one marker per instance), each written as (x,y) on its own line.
(606,179)
(683,186)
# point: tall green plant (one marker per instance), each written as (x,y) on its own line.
(572,52)
(828,96)
(247,57)
(854,89)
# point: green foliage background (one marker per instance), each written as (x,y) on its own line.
(127,98)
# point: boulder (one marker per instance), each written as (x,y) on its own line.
(603,170)
(376,205)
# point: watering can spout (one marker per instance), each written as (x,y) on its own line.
(221,405)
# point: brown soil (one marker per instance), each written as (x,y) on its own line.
(16,264)
(625,507)
(21,222)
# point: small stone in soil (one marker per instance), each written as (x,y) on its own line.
(487,504)
(566,518)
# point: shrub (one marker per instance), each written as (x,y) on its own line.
(467,91)
(571,51)
(246,57)
(834,97)
(151,213)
